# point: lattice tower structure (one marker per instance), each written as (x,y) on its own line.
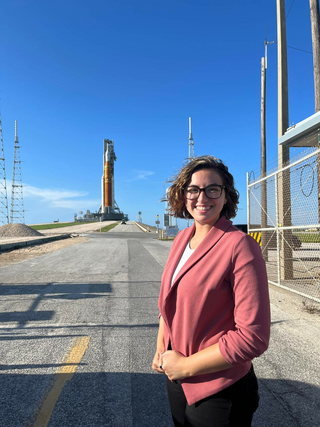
(191,143)
(17,207)
(4,212)
(191,152)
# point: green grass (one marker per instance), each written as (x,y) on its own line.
(109,227)
(57,225)
(309,238)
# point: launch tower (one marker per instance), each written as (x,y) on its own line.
(191,152)
(4,213)
(17,208)
(191,143)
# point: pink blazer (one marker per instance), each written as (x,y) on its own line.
(219,295)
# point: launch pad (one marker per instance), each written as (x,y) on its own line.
(112,216)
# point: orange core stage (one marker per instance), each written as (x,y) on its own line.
(107,184)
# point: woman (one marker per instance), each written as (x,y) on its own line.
(214,304)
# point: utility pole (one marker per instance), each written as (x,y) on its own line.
(263,116)
(315,22)
(264,235)
(283,103)
(284,212)
(315,30)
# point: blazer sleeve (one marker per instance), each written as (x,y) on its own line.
(248,278)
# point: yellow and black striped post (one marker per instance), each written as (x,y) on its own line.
(256,236)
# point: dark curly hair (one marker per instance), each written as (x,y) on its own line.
(175,196)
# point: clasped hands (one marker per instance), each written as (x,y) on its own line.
(171,363)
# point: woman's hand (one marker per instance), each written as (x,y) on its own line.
(174,365)
(156,361)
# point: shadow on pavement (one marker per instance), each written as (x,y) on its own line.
(287,403)
(139,400)
(99,399)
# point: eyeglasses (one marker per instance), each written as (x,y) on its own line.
(212,191)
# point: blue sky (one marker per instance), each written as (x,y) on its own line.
(75,72)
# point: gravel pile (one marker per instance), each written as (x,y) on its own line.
(18,230)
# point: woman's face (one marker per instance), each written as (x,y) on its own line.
(204,210)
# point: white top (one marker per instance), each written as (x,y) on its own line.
(184,258)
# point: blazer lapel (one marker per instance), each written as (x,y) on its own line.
(176,256)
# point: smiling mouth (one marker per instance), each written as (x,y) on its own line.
(203,208)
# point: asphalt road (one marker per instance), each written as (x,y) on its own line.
(78,329)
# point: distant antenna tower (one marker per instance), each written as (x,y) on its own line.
(191,143)
(17,209)
(4,213)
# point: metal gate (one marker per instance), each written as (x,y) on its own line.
(283,216)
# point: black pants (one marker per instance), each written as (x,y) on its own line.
(232,407)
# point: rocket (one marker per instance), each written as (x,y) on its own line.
(107,182)
(107,179)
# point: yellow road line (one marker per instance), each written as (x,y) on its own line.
(71,360)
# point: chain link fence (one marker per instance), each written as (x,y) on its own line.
(283,216)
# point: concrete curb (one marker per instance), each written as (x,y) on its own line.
(144,229)
(36,241)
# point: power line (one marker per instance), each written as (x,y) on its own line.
(290,9)
(301,50)
(291,47)
(286,19)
